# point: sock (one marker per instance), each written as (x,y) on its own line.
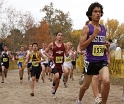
(54,84)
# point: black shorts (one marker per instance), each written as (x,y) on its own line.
(73,63)
(36,71)
(6,65)
(45,64)
(91,68)
(55,70)
(29,65)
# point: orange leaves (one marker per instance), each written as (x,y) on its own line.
(43,33)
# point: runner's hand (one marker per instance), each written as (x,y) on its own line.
(96,30)
(51,57)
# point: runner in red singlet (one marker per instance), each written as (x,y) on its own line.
(59,49)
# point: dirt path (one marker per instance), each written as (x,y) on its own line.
(12,92)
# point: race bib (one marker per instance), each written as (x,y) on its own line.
(34,64)
(98,50)
(5,59)
(67,59)
(59,59)
(21,59)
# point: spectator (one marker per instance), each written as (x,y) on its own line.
(112,45)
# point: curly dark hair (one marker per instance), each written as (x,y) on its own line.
(91,7)
(57,33)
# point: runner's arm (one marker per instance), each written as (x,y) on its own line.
(41,56)
(50,46)
(78,49)
(84,42)
(108,51)
(10,55)
(25,54)
(66,50)
(27,59)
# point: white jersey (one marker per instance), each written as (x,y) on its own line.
(4,52)
(46,58)
(67,61)
(28,53)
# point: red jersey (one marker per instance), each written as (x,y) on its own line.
(58,54)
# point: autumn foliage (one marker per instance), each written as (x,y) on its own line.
(43,33)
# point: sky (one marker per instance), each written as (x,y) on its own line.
(113,9)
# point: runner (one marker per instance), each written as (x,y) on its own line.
(5,56)
(50,64)
(29,63)
(35,57)
(73,62)
(20,57)
(93,39)
(67,65)
(45,63)
(59,49)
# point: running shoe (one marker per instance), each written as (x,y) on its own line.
(78,102)
(63,79)
(43,80)
(52,90)
(98,100)
(2,81)
(53,93)
(65,85)
(32,94)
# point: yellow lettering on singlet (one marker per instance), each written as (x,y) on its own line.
(98,50)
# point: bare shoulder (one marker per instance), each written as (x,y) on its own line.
(65,45)
(85,28)
(50,45)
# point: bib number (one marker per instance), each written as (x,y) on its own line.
(98,50)
(59,59)
(5,59)
(21,59)
(34,64)
(67,59)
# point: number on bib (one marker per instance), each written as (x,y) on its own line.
(98,50)
(5,59)
(67,59)
(59,59)
(21,59)
(34,64)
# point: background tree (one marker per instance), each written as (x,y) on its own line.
(58,21)
(43,33)
(111,25)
